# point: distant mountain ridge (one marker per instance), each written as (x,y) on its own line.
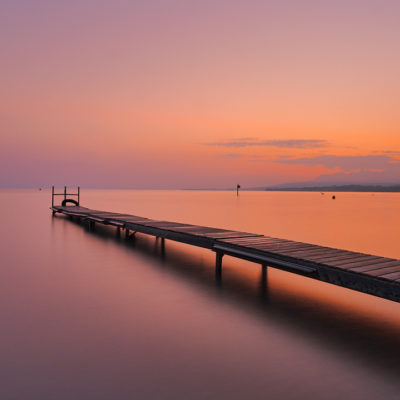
(334,188)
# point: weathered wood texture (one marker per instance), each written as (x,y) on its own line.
(379,276)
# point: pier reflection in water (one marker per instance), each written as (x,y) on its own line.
(95,316)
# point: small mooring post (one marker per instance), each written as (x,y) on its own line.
(237,189)
(52,201)
(79,196)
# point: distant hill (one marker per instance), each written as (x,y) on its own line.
(336,188)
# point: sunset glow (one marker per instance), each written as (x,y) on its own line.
(173,94)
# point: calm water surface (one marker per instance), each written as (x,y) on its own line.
(88,315)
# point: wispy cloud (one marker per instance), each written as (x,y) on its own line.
(290,144)
(231,155)
(367,162)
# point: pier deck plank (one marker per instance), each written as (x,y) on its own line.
(379,276)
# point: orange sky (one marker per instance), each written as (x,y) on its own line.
(173,94)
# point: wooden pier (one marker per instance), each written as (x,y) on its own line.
(378,276)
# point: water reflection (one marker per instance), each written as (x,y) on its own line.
(335,318)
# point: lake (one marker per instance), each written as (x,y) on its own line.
(90,315)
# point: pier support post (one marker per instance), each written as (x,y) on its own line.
(218,261)
(218,268)
(126,233)
(118,231)
(264,270)
(264,282)
(162,248)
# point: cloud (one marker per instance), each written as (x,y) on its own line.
(376,177)
(349,163)
(368,169)
(391,152)
(231,155)
(290,144)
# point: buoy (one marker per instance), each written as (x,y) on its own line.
(333,197)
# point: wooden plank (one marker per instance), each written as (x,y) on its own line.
(134,220)
(275,246)
(392,276)
(228,235)
(340,253)
(316,253)
(71,211)
(313,255)
(368,257)
(163,225)
(333,258)
(194,228)
(260,241)
(198,230)
(288,248)
(376,265)
(109,215)
(257,240)
(342,258)
(292,251)
(369,260)
(384,271)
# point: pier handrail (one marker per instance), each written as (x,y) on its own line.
(65,194)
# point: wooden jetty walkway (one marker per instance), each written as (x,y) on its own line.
(379,276)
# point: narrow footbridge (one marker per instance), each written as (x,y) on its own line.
(379,276)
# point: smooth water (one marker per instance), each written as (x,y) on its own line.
(89,315)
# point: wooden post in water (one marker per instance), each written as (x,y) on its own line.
(52,201)
(65,192)
(237,189)
(79,193)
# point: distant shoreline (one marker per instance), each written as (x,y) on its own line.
(341,188)
(333,188)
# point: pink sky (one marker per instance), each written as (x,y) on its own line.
(184,94)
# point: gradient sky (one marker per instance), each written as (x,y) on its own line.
(184,94)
